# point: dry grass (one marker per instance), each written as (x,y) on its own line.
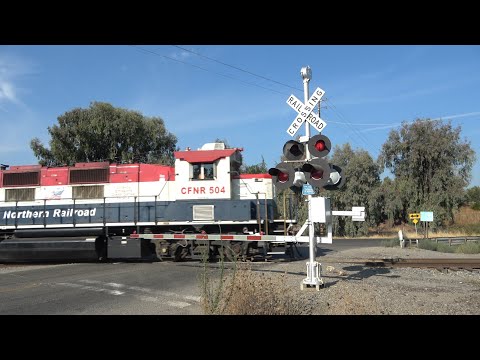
(467,216)
(247,292)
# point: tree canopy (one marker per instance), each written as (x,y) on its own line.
(362,179)
(473,197)
(431,164)
(106,133)
(260,168)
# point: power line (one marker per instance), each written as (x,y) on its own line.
(204,69)
(334,108)
(350,125)
(237,68)
(357,133)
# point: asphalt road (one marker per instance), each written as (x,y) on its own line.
(100,289)
(158,288)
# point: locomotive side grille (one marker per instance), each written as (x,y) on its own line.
(20,194)
(88,192)
(88,176)
(21,179)
(203,212)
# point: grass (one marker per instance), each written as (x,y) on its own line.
(467,216)
(390,243)
(471,247)
(247,292)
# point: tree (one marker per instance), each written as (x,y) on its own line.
(260,168)
(473,197)
(432,166)
(105,133)
(360,189)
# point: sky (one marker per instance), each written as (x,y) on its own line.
(239,92)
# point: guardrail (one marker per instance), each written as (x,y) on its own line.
(455,240)
(452,240)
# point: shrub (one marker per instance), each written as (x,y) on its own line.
(468,248)
(445,248)
(427,244)
(246,292)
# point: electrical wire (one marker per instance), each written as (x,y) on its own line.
(204,69)
(237,68)
(346,122)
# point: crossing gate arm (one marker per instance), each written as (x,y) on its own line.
(357,213)
(269,238)
(232,237)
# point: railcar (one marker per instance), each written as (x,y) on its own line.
(201,207)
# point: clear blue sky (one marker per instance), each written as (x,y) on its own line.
(369,91)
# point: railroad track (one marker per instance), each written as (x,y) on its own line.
(445,263)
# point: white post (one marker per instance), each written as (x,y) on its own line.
(400,237)
(313,268)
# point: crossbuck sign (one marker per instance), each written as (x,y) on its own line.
(305,112)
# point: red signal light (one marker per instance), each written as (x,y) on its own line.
(282,177)
(317,174)
(320,145)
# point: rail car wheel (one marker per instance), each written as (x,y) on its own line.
(234,251)
(180,253)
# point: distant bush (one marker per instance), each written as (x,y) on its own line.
(445,248)
(468,248)
(427,244)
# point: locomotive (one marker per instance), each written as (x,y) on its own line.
(202,207)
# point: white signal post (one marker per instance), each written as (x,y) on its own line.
(321,205)
(313,267)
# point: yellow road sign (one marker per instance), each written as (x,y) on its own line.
(415,221)
(414,216)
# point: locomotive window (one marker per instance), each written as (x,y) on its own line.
(88,192)
(203,171)
(20,194)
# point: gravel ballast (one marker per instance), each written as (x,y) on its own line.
(353,288)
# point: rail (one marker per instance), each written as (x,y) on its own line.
(436,263)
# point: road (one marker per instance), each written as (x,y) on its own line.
(158,288)
(100,288)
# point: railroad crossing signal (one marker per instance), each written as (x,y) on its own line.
(297,170)
(305,112)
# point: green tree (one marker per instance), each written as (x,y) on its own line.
(260,168)
(432,166)
(105,133)
(361,189)
(473,197)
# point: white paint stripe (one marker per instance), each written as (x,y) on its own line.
(115,285)
(178,304)
(154,293)
(193,298)
(93,288)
